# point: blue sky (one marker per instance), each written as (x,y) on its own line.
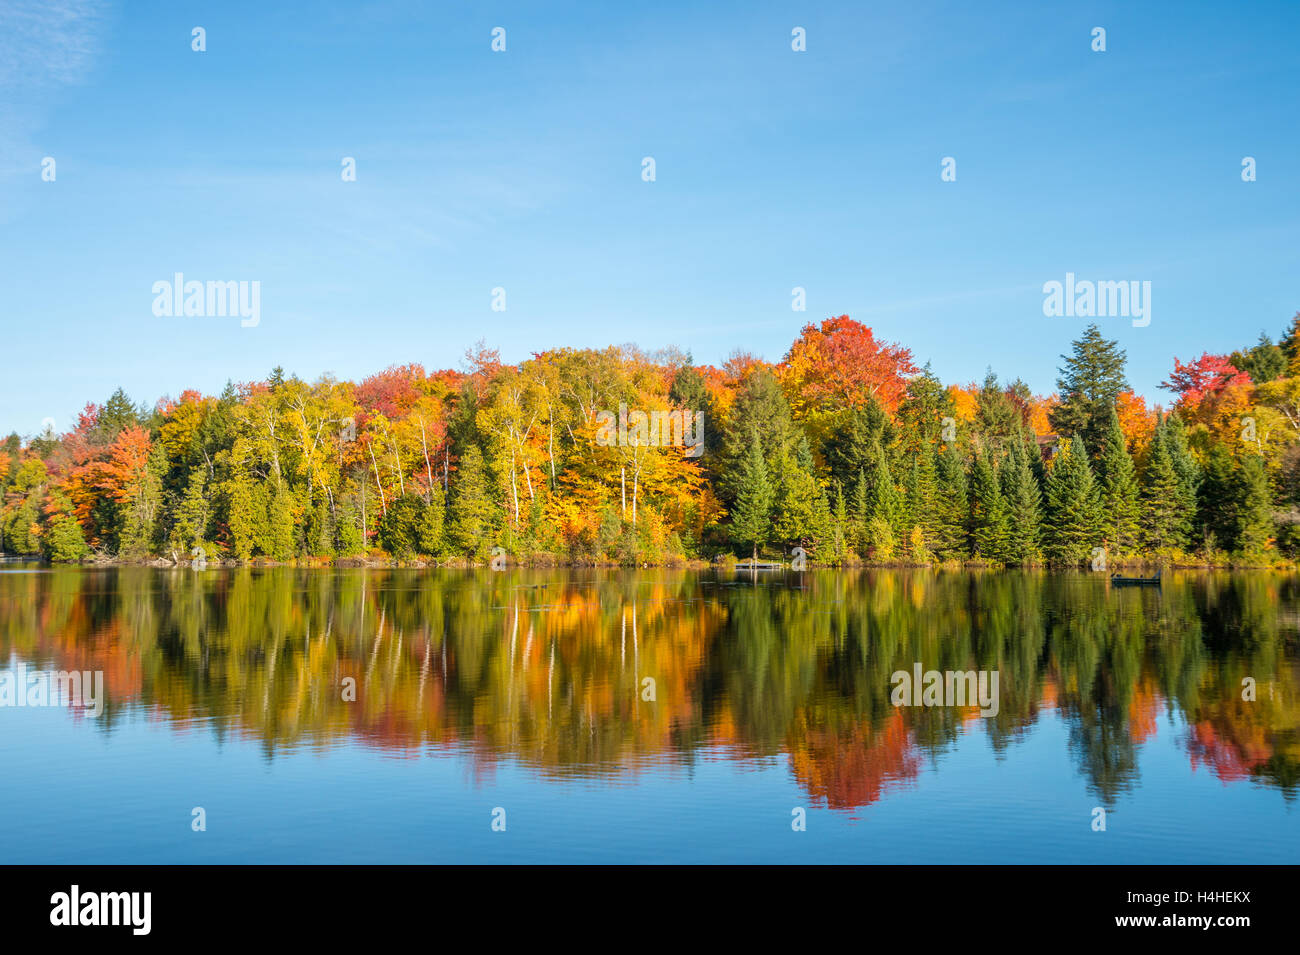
(522,170)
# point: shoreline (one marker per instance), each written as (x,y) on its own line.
(546,562)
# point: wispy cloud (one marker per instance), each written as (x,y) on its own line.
(45,46)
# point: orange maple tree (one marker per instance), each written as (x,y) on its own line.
(841,363)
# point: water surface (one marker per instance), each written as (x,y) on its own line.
(526,691)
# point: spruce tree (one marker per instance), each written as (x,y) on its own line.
(469,519)
(281,526)
(751,515)
(988,512)
(192,513)
(1091,380)
(883,503)
(347,527)
(919,501)
(1254,507)
(1264,362)
(1119,491)
(850,447)
(1185,466)
(1166,520)
(800,513)
(839,527)
(322,529)
(1074,517)
(952,511)
(429,527)
(1024,507)
(1216,502)
(759,415)
(397,528)
(860,513)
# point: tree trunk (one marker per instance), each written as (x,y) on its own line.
(375,464)
(551,451)
(428,469)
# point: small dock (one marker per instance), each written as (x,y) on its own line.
(759,565)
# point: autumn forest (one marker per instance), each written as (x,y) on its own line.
(847,448)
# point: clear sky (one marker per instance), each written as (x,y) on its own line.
(523,170)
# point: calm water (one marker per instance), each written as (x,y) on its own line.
(526,691)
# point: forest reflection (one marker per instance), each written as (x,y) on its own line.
(549,668)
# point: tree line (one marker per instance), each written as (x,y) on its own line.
(845,448)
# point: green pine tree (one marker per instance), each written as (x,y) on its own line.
(883,503)
(347,527)
(751,515)
(470,516)
(1091,380)
(1185,466)
(1254,507)
(1024,503)
(800,515)
(920,497)
(859,513)
(1216,502)
(1119,491)
(322,529)
(282,537)
(988,513)
(1166,519)
(839,528)
(952,510)
(1074,515)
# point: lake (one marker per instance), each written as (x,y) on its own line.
(581,715)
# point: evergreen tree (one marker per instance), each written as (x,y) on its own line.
(1216,501)
(759,414)
(470,516)
(921,413)
(1090,382)
(860,512)
(117,414)
(883,503)
(1185,466)
(800,515)
(952,540)
(321,541)
(1290,345)
(920,499)
(430,528)
(1254,507)
(997,419)
(988,513)
(192,514)
(1074,515)
(347,527)
(1020,490)
(280,525)
(244,517)
(689,393)
(851,445)
(137,517)
(1264,362)
(399,527)
(751,516)
(839,528)
(1119,491)
(1166,518)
